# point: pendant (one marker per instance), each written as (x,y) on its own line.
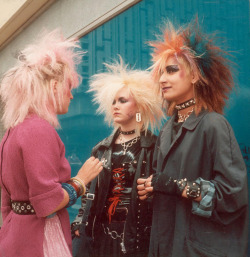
(124,152)
(123,247)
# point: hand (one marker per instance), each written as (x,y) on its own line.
(144,187)
(77,233)
(89,170)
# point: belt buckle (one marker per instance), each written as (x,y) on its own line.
(90,196)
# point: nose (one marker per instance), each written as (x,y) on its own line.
(163,78)
(71,96)
(115,105)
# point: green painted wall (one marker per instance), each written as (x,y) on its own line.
(127,35)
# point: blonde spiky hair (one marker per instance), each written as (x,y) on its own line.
(106,85)
(27,87)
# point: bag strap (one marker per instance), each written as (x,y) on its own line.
(90,197)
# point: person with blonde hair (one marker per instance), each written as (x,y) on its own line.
(36,178)
(200,196)
(119,222)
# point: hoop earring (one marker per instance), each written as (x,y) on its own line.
(138,117)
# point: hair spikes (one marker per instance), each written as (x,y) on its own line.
(27,87)
(198,53)
(106,85)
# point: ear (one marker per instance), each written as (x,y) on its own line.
(53,84)
(195,77)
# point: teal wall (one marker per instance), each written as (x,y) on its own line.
(127,35)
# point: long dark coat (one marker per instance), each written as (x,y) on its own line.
(204,147)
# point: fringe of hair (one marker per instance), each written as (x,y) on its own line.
(198,53)
(106,85)
(27,87)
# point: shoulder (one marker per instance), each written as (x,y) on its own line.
(148,139)
(215,121)
(103,144)
(37,129)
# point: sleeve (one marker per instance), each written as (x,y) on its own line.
(229,173)
(42,157)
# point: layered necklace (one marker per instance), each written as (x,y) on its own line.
(188,103)
(126,146)
(183,117)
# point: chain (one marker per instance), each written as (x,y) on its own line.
(125,147)
(113,234)
(183,117)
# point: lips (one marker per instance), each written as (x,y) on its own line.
(165,89)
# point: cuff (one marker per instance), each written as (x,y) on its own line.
(45,203)
(205,207)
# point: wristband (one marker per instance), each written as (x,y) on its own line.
(193,190)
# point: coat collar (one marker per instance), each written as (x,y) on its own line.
(193,120)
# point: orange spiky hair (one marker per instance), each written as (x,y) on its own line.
(196,52)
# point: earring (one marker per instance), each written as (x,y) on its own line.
(138,117)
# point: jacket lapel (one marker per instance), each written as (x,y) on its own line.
(166,145)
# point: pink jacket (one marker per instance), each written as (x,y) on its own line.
(33,168)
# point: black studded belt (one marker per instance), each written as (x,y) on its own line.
(22,207)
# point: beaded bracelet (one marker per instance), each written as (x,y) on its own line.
(71,192)
(81,183)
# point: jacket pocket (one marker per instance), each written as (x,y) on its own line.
(204,233)
(194,249)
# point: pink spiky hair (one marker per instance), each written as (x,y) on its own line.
(26,88)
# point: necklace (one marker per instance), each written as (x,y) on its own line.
(183,117)
(127,132)
(126,146)
(185,105)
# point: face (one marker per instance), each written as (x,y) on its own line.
(124,108)
(176,82)
(67,97)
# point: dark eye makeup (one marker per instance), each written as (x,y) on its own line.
(172,68)
(121,100)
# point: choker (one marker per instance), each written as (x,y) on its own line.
(185,105)
(127,132)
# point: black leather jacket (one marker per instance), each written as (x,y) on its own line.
(139,217)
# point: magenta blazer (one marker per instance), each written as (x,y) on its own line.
(33,168)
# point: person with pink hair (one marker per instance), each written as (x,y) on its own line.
(199,188)
(35,175)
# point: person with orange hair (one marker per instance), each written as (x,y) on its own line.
(36,178)
(199,188)
(119,223)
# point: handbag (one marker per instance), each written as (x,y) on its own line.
(82,245)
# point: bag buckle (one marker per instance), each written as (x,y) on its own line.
(90,196)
